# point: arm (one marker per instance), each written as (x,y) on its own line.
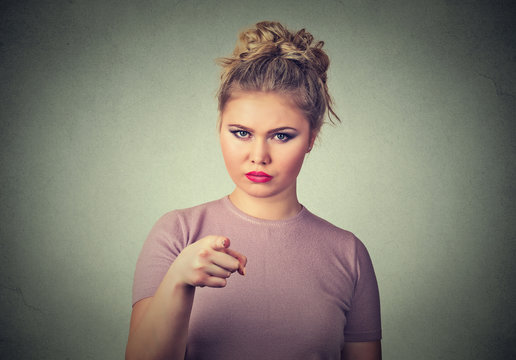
(370,350)
(158,319)
(159,324)
(363,327)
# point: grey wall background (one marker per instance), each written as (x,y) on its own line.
(108,119)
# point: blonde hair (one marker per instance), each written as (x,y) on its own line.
(270,58)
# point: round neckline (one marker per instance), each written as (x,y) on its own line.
(227,202)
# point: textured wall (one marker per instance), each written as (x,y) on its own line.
(108,120)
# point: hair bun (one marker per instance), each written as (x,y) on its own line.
(268,57)
(271,39)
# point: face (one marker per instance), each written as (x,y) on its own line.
(264,139)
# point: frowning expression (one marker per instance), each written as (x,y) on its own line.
(264,138)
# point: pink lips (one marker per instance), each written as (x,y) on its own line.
(258,176)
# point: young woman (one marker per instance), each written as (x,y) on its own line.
(309,290)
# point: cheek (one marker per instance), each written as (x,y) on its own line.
(292,161)
(230,153)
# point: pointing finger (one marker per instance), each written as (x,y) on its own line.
(220,243)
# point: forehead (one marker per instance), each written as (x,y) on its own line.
(263,109)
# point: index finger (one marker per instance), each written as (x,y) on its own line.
(220,243)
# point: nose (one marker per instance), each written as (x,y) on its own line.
(260,153)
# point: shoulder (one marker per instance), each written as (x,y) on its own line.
(328,229)
(341,240)
(186,223)
(174,229)
(185,215)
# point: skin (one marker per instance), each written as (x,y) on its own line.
(259,132)
(370,350)
(159,324)
(264,132)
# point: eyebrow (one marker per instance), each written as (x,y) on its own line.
(283,128)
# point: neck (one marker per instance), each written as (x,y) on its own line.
(281,206)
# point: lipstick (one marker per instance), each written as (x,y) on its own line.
(258,176)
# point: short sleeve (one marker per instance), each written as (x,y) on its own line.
(363,319)
(163,244)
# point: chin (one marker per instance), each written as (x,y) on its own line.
(261,191)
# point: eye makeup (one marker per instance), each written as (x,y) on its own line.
(240,134)
(282,134)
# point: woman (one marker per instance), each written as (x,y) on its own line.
(309,290)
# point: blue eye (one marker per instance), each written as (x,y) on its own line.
(241,134)
(282,137)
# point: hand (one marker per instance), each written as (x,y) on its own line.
(208,262)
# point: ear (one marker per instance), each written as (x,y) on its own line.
(313,136)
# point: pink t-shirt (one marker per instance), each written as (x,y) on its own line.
(309,285)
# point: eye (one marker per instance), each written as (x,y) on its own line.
(282,137)
(241,134)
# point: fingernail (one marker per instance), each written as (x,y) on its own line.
(243,271)
(224,242)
